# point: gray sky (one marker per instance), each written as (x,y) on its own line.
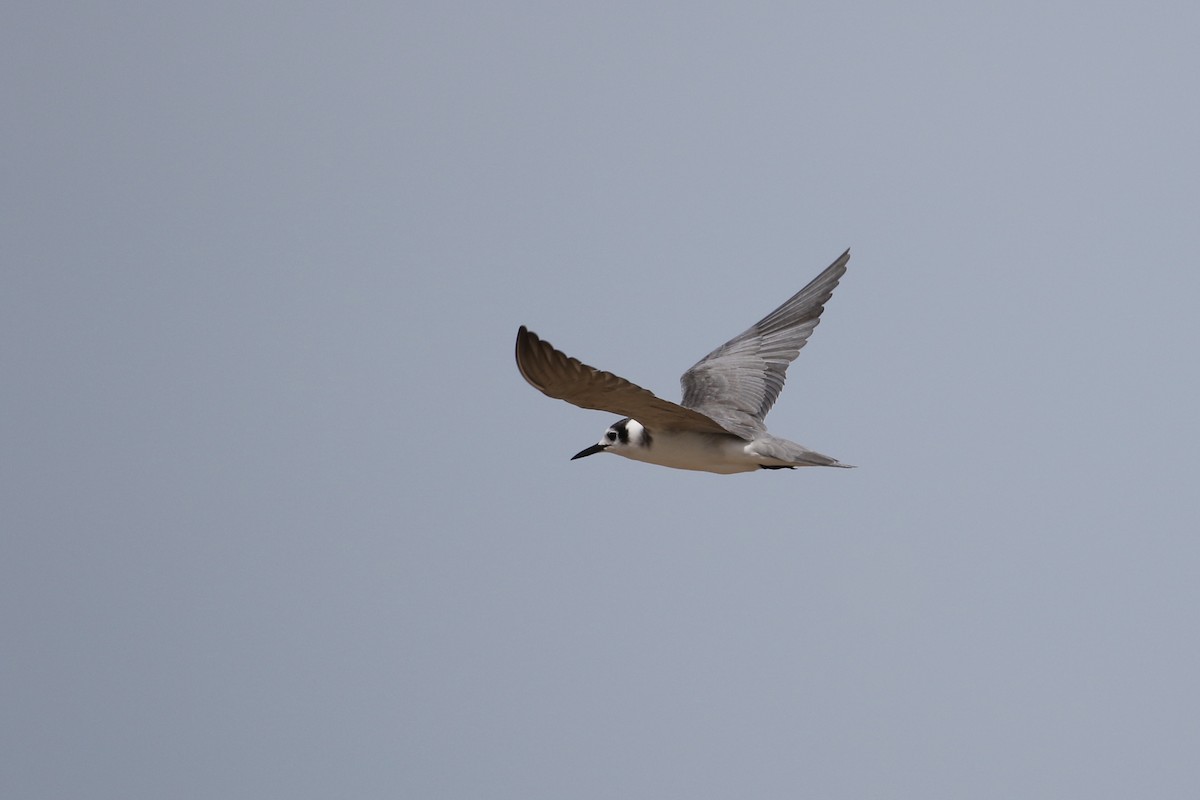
(281,519)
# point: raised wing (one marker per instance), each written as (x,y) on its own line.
(737,383)
(557,375)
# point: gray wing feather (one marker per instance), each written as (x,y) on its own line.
(737,383)
(557,375)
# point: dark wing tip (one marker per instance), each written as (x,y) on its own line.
(526,353)
(545,368)
(522,333)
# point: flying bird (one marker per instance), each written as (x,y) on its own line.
(718,426)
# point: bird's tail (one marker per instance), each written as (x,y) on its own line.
(789,454)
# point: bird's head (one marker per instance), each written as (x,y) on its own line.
(622,437)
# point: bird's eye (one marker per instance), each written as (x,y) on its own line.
(611,436)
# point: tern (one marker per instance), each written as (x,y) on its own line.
(718,426)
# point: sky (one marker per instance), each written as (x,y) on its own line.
(280,518)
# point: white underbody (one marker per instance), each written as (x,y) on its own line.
(706,452)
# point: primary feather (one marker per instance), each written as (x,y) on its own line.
(737,383)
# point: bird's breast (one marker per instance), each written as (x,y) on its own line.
(706,452)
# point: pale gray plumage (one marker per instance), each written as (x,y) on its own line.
(726,395)
(737,383)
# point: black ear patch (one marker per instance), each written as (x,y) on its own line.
(621,428)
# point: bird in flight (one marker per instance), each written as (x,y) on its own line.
(718,426)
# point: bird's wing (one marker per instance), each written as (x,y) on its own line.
(737,383)
(557,375)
